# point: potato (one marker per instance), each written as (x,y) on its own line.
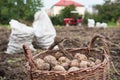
(44,66)
(80,57)
(59,68)
(84,64)
(63,60)
(54,63)
(74,63)
(91,64)
(49,59)
(92,59)
(58,55)
(65,65)
(74,69)
(98,61)
(39,61)
(41,64)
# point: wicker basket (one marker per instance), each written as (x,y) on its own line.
(98,72)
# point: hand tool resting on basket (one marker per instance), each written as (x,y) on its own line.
(99,71)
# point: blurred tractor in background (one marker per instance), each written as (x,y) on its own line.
(73,20)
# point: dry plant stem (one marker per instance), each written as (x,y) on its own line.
(115,69)
(114,44)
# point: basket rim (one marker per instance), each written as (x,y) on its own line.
(67,49)
(102,65)
(105,61)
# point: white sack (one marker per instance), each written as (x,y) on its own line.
(104,25)
(44,30)
(91,23)
(101,25)
(20,34)
(98,24)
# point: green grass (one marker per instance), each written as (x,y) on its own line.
(112,24)
(58,26)
(7,26)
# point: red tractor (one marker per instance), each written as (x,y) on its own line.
(72,20)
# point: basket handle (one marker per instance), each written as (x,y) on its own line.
(28,55)
(59,41)
(104,42)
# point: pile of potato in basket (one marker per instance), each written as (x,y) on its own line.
(59,62)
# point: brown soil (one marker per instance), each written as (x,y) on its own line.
(12,67)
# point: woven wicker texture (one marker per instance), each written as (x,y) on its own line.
(97,72)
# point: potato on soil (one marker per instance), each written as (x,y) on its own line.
(73,69)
